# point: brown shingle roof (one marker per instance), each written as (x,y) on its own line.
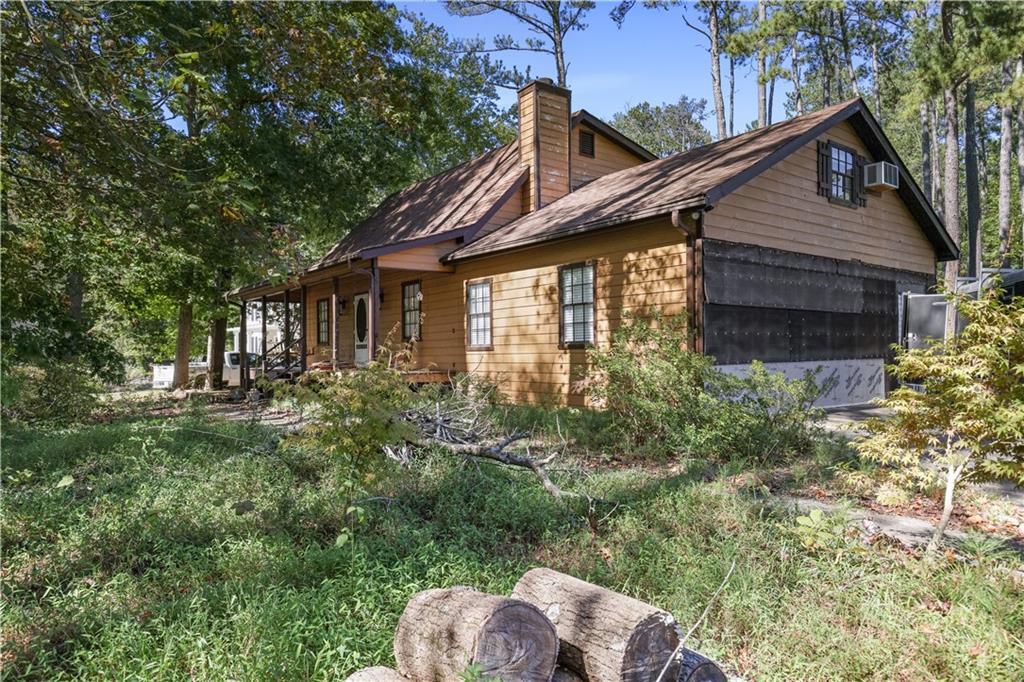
(445,206)
(699,177)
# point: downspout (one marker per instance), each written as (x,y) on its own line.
(690,226)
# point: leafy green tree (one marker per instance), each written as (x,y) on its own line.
(969,420)
(208,144)
(666,128)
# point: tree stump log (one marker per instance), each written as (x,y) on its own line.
(697,668)
(378,673)
(442,632)
(566,675)
(603,636)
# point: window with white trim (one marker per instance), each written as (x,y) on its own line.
(478,314)
(576,284)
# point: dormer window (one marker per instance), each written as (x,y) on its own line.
(586,143)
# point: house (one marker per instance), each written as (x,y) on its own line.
(771,244)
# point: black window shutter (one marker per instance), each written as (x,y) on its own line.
(824,176)
(859,197)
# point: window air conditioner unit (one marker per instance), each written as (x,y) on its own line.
(881,176)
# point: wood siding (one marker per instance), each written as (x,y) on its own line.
(781,209)
(608,157)
(426,258)
(637,268)
(544,120)
(506,213)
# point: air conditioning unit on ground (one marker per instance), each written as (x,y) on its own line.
(881,176)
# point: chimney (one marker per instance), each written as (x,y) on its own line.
(545,118)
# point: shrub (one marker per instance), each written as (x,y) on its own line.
(355,414)
(55,393)
(969,419)
(765,415)
(664,399)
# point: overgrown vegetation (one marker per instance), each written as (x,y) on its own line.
(664,399)
(190,548)
(968,421)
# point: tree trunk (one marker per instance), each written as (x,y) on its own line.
(971,180)
(877,78)
(1005,150)
(797,92)
(826,71)
(1020,156)
(184,345)
(926,152)
(74,289)
(566,675)
(762,90)
(604,636)
(937,193)
(215,355)
(376,674)
(559,49)
(732,96)
(952,478)
(443,631)
(847,52)
(716,70)
(951,214)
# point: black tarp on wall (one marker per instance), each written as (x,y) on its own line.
(779,306)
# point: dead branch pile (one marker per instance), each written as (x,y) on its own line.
(459,421)
(554,627)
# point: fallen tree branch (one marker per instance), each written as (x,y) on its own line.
(498,453)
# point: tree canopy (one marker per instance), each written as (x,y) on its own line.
(158,153)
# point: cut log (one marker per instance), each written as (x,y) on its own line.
(566,675)
(442,632)
(378,673)
(604,636)
(697,668)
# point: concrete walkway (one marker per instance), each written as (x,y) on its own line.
(910,531)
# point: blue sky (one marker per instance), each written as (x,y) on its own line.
(654,57)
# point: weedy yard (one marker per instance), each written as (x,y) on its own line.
(191,547)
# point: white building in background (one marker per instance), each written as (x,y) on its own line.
(163,374)
(254,332)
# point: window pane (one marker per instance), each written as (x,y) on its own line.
(577,283)
(411,311)
(478,312)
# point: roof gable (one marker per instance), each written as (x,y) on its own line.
(700,178)
(588,119)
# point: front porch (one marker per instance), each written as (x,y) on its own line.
(330,318)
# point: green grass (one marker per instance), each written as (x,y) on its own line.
(142,568)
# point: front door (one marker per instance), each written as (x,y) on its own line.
(362,328)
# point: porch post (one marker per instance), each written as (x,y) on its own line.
(303,328)
(287,329)
(334,323)
(263,331)
(243,350)
(374,308)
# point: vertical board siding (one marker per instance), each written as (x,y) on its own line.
(781,209)
(608,158)
(553,122)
